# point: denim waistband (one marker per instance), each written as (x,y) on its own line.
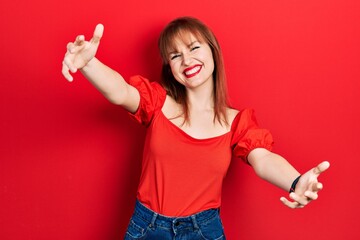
(156,219)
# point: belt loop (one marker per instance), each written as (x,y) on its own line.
(196,226)
(152,224)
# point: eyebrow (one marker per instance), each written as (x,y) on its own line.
(189,45)
(196,41)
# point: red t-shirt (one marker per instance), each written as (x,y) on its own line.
(182,175)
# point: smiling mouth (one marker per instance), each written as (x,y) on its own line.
(192,71)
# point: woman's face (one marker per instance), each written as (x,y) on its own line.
(191,62)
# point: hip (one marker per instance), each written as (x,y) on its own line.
(147,224)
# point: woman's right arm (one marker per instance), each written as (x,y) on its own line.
(80,55)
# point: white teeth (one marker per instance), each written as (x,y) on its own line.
(192,71)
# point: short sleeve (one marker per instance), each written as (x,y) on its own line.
(247,135)
(152,98)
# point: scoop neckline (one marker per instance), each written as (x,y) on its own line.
(200,139)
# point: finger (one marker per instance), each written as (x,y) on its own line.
(65,72)
(287,203)
(67,61)
(317,187)
(290,204)
(70,47)
(77,45)
(80,40)
(300,199)
(311,195)
(321,167)
(98,33)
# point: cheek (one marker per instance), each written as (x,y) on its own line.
(207,58)
(175,72)
(209,62)
(213,65)
(174,68)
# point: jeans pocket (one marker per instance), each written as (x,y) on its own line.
(137,229)
(212,229)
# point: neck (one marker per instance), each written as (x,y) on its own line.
(201,98)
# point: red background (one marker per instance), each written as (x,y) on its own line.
(70,161)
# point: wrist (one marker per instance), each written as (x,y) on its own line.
(88,65)
(293,185)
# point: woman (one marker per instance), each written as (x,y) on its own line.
(192,134)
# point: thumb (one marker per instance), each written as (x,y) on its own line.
(321,167)
(98,33)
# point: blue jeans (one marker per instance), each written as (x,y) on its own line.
(149,225)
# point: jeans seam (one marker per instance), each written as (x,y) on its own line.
(138,228)
(205,238)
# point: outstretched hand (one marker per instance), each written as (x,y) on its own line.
(307,188)
(80,52)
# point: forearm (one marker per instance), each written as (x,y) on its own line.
(109,82)
(273,168)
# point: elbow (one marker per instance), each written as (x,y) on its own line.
(259,169)
(115,99)
(128,98)
(118,95)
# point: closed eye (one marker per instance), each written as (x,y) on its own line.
(173,56)
(194,48)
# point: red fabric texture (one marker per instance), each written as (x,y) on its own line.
(182,175)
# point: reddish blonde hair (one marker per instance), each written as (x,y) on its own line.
(176,29)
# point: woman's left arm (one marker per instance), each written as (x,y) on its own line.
(276,170)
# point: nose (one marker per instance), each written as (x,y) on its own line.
(186,59)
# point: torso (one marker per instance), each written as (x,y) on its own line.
(184,166)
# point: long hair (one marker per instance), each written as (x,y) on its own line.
(177,91)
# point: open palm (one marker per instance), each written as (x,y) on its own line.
(80,52)
(307,188)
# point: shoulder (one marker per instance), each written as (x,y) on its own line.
(242,119)
(231,114)
(171,108)
(151,92)
(144,84)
